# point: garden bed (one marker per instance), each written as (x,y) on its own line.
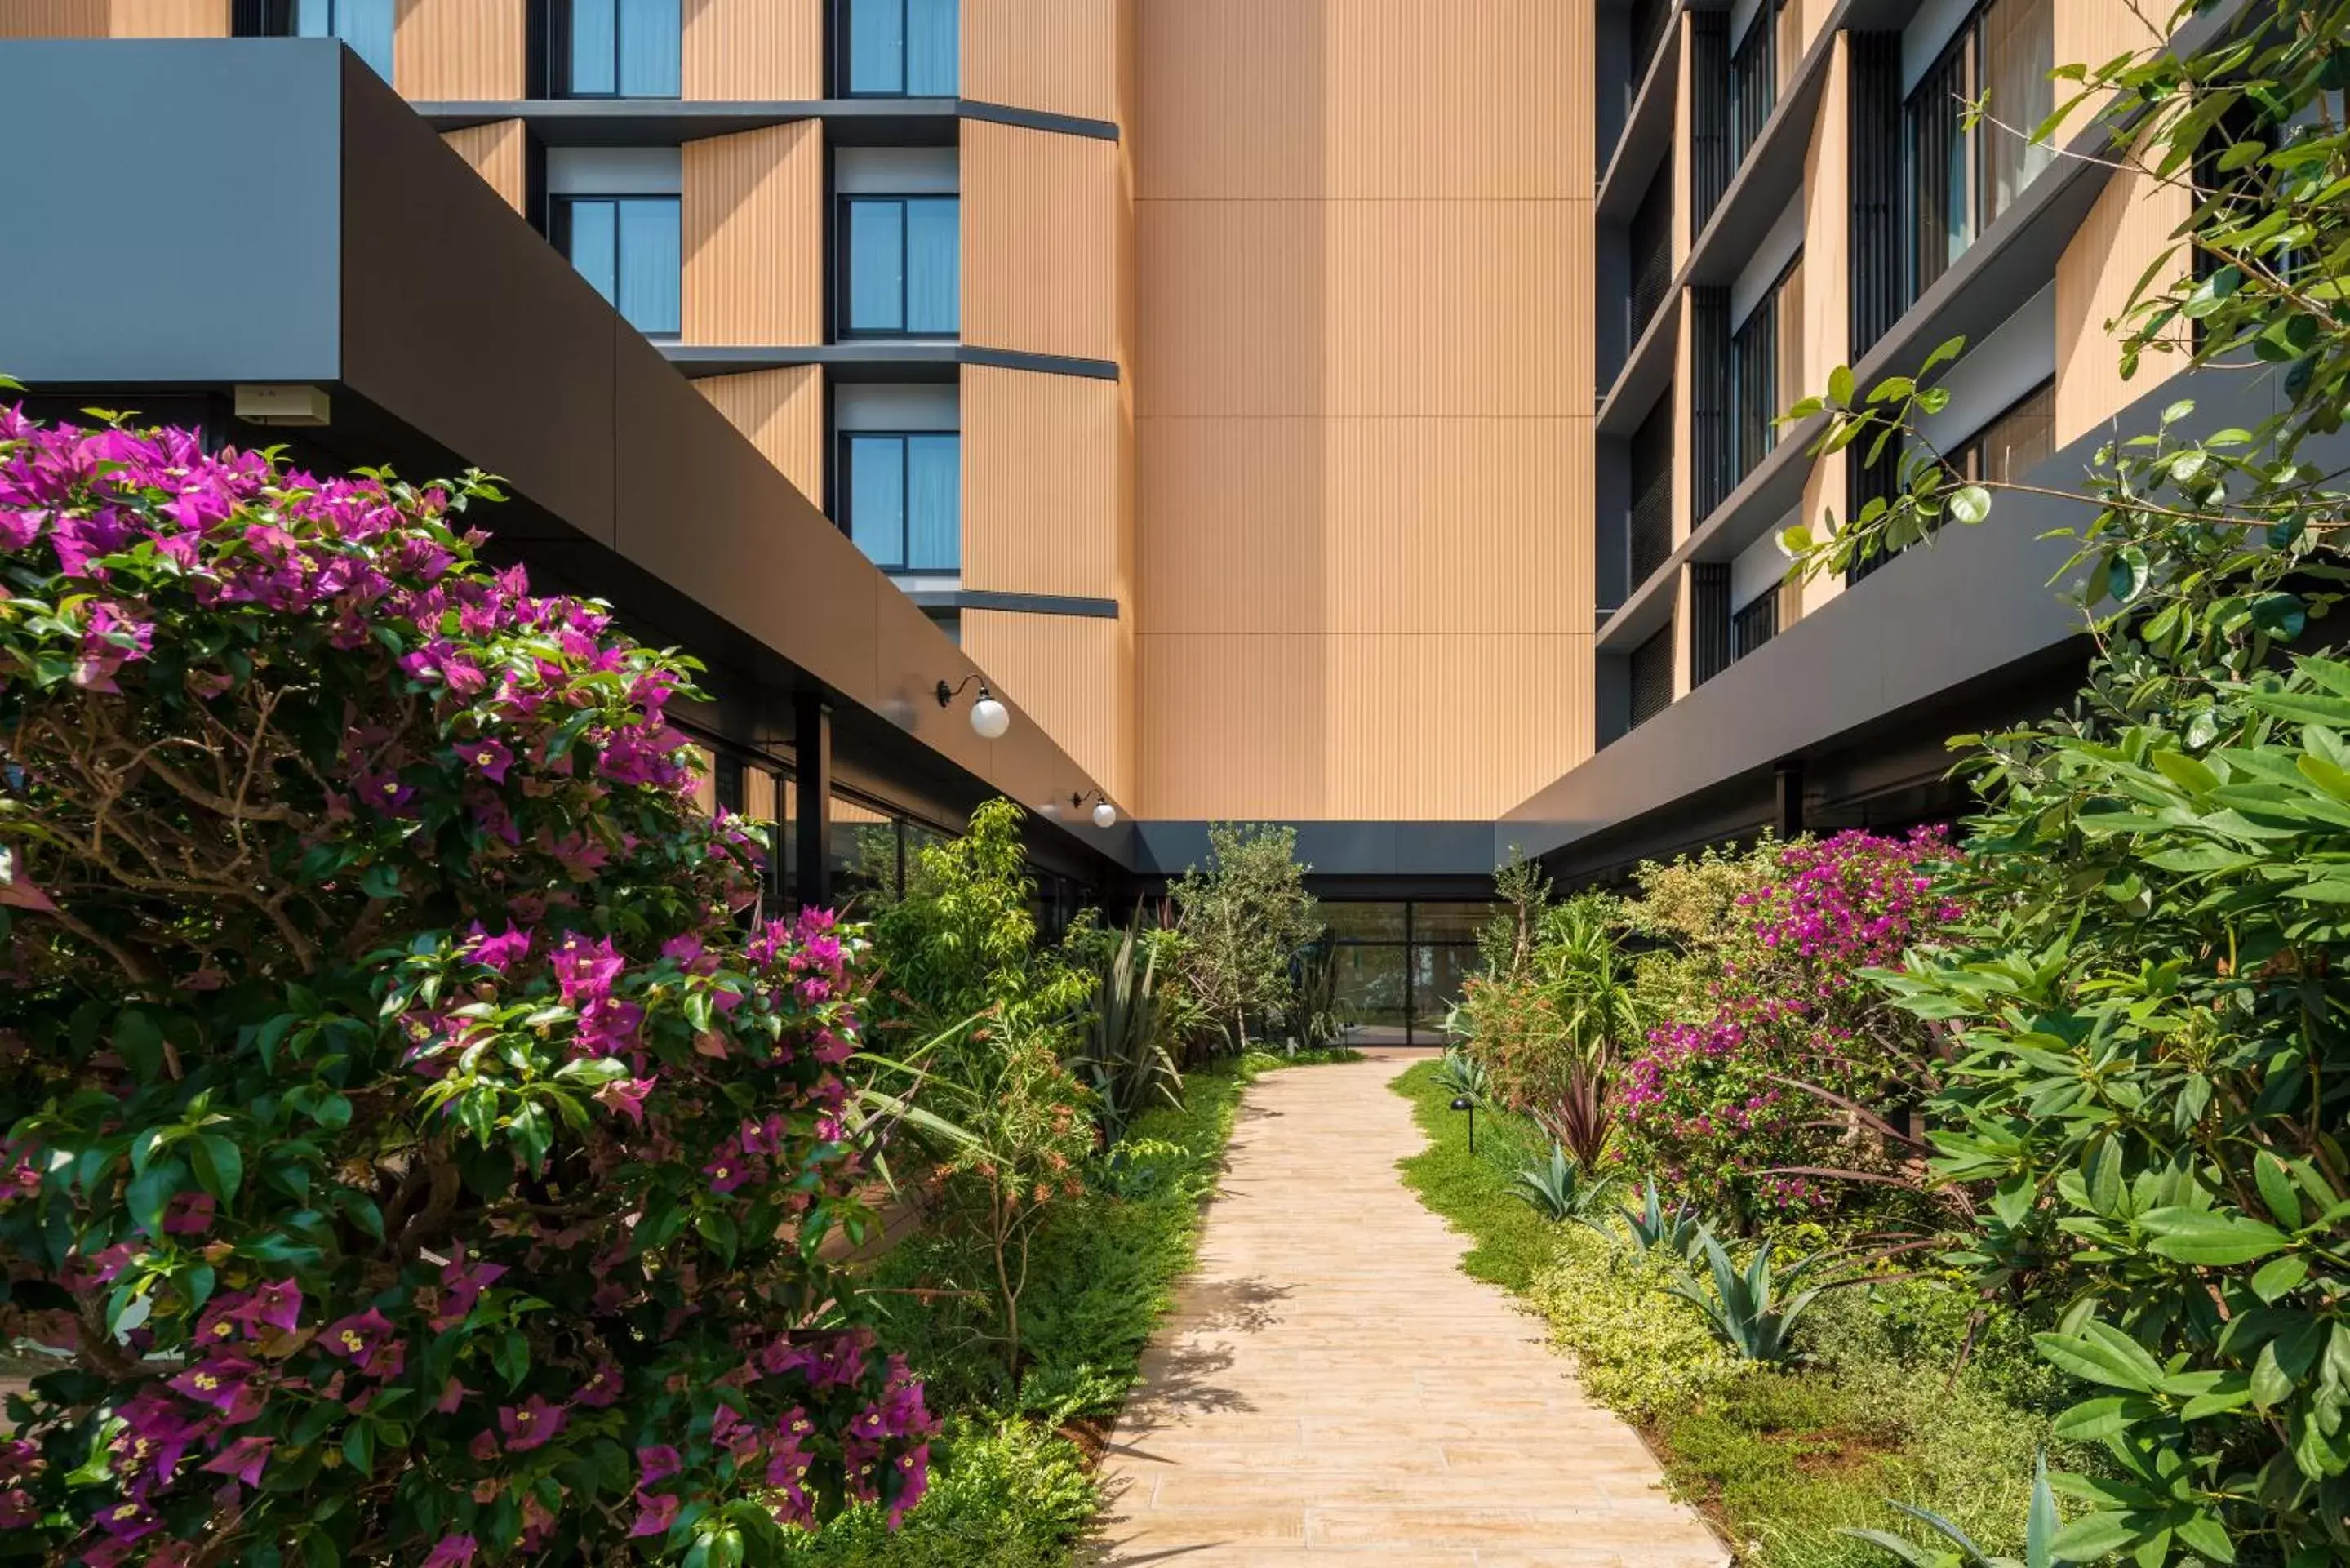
(1879,1406)
(1013,1476)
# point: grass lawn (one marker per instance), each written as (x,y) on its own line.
(1781,1460)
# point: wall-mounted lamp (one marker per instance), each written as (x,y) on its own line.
(989,718)
(1105,814)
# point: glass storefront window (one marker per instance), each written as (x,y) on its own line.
(1402,965)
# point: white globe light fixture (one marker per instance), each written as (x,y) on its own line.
(1105,814)
(990,720)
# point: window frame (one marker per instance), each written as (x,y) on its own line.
(558,235)
(558,59)
(844,58)
(844,262)
(1971,39)
(844,494)
(282,19)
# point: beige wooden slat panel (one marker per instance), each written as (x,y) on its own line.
(781,410)
(1231,726)
(1467,526)
(53,19)
(449,50)
(746,51)
(1041,511)
(1233,98)
(1232,307)
(754,217)
(1230,525)
(1070,674)
(1041,220)
(170,18)
(1449,728)
(498,153)
(1058,56)
(2130,226)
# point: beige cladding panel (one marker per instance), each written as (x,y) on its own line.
(1233,726)
(170,20)
(499,154)
(782,413)
(1469,527)
(1336,99)
(1363,390)
(1067,672)
(1060,56)
(754,217)
(2130,228)
(1452,727)
(1041,493)
(1230,526)
(53,19)
(745,51)
(1373,308)
(1041,220)
(453,50)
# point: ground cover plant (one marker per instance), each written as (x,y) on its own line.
(1874,1402)
(413,1152)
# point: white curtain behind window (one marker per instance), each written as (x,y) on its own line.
(2019,51)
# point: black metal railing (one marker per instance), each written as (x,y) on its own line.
(1877,275)
(1711,449)
(1753,82)
(1754,388)
(1710,652)
(1756,624)
(1712,159)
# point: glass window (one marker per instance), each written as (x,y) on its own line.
(902,493)
(618,48)
(1960,177)
(1372,987)
(1439,973)
(904,266)
(364,25)
(2019,441)
(627,246)
(899,48)
(1364,922)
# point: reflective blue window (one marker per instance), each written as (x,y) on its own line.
(902,494)
(629,247)
(903,265)
(899,48)
(618,48)
(364,25)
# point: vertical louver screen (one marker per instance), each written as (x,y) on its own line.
(1652,676)
(1709,402)
(1753,82)
(1865,482)
(1711,160)
(1755,625)
(1754,391)
(1652,251)
(1709,621)
(1878,294)
(1651,526)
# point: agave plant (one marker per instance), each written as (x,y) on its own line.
(1125,1056)
(1462,1074)
(1558,1188)
(2040,1528)
(1320,1014)
(1654,1228)
(1751,1313)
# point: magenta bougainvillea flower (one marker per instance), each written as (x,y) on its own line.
(497,1130)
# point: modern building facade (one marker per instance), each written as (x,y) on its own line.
(1356,413)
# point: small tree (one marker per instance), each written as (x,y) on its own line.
(1244,921)
(411,1156)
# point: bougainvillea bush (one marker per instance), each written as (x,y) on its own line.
(1781,1063)
(415,1151)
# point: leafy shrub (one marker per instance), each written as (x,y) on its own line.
(1637,1348)
(411,1158)
(1004,1491)
(1728,1107)
(1244,918)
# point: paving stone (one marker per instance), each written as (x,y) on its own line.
(1330,1386)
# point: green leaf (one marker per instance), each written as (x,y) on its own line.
(151,1192)
(2184,771)
(220,1164)
(2217,1240)
(139,1043)
(1970,504)
(2097,1357)
(2107,1416)
(2275,1181)
(2095,1535)
(2278,1277)
(2206,1534)
(1840,386)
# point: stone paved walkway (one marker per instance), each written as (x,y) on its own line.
(1330,1385)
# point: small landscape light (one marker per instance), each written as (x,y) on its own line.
(1468,1103)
